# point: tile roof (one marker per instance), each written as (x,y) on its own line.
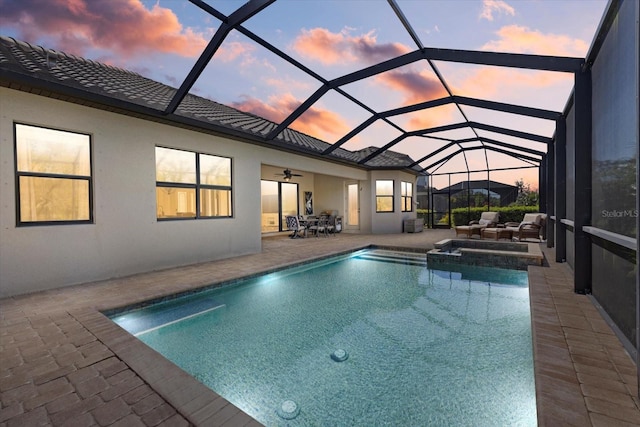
(23,65)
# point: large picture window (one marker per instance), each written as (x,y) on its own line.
(192,185)
(53,175)
(406,195)
(384,195)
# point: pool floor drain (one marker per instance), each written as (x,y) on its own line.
(340,355)
(288,410)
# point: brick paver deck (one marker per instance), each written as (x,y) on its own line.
(64,363)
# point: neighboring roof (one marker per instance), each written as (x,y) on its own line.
(58,75)
(477,185)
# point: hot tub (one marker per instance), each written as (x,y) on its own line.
(516,255)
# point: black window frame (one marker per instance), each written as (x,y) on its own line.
(392,196)
(404,199)
(197,186)
(18,174)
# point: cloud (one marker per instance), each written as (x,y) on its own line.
(492,82)
(518,39)
(125,27)
(330,48)
(322,124)
(230,51)
(276,111)
(489,7)
(320,44)
(287,84)
(506,83)
(416,86)
(433,117)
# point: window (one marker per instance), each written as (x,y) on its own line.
(53,175)
(384,195)
(406,195)
(192,185)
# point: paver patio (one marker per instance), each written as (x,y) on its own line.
(64,363)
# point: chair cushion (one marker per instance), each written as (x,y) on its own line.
(535,218)
(484,221)
(490,216)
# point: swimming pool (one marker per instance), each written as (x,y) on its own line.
(373,338)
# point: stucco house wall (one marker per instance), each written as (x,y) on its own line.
(126,237)
(390,222)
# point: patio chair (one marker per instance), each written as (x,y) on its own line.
(529,228)
(293,224)
(321,226)
(331,225)
(487,219)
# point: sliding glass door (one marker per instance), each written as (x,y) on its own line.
(288,202)
(278,199)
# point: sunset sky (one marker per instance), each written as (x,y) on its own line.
(162,39)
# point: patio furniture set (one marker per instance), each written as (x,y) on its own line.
(488,227)
(323,225)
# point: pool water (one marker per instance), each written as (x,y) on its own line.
(374,338)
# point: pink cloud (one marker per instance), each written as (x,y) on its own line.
(319,123)
(322,124)
(416,87)
(125,27)
(330,48)
(275,112)
(498,82)
(231,51)
(518,39)
(487,82)
(322,45)
(432,117)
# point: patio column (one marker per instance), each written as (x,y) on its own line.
(551,209)
(542,184)
(560,154)
(582,194)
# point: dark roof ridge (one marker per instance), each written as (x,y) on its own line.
(48,52)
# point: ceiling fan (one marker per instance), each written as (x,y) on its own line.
(287,174)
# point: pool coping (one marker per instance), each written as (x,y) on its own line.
(193,400)
(516,255)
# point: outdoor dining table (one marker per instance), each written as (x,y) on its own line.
(310,222)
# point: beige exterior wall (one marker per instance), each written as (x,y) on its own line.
(389,222)
(126,237)
(330,194)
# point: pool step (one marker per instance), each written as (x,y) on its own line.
(139,322)
(396,257)
(190,316)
